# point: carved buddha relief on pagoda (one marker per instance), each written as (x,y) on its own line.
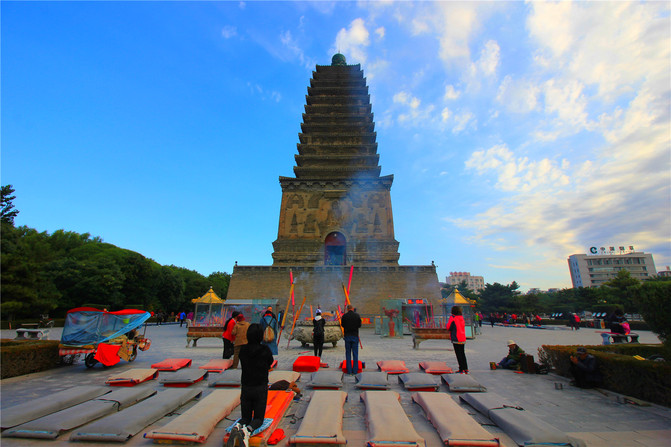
(337,208)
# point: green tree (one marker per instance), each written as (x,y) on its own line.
(195,284)
(220,282)
(619,290)
(7,211)
(170,290)
(44,272)
(499,298)
(652,300)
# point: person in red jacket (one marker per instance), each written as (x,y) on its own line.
(228,335)
(457,329)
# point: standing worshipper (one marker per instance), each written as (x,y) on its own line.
(269,327)
(229,338)
(318,324)
(256,360)
(457,329)
(240,334)
(351,322)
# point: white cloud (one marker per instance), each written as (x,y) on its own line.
(353,41)
(293,47)
(445,114)
(483,69)
(228,31)
(518,96)
(611,45)
(419,26)
(413,113)
(451,93)
(455,23)
(380,32)
(566,99)
(489,59)
(271,95)
(462,121)
(402,97)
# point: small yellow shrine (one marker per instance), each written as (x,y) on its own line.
(457,299)
(209,310)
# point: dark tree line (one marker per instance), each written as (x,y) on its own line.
(51,273)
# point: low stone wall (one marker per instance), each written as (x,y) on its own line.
(323,285)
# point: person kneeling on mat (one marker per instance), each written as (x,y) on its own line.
(256,360)
(584,370)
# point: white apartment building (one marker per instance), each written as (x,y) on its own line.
(601,265)
(475,283)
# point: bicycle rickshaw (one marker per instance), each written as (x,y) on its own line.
(102,336)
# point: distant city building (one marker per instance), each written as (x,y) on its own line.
(601,265)
(475,283)
(665,273)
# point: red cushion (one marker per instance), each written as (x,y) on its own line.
(435,367)
(343,366)
(217,365)
(306,363)
(172,364)
(393,366)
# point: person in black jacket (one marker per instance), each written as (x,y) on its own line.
(318,324)
(616,320)
(351,322)
(584,369)
(256,360)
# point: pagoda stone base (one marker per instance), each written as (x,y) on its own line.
(322,286)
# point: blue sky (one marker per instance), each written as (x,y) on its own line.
(517,133)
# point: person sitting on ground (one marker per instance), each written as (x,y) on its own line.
(286,385)
(512,360)
(584,369)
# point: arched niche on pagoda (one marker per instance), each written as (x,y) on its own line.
(335,249)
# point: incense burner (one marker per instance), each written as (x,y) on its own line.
(303,333)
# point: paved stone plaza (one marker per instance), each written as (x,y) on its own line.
(600,418)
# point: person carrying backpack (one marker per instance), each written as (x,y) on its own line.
(269,327)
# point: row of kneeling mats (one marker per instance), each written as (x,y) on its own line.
(123,413)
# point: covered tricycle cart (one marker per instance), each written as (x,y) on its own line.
(101,336)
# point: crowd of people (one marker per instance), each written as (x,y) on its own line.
(513,318)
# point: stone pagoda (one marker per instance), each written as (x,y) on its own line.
(336,212)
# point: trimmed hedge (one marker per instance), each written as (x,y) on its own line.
(633,325)
(18,357)
(644,379)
